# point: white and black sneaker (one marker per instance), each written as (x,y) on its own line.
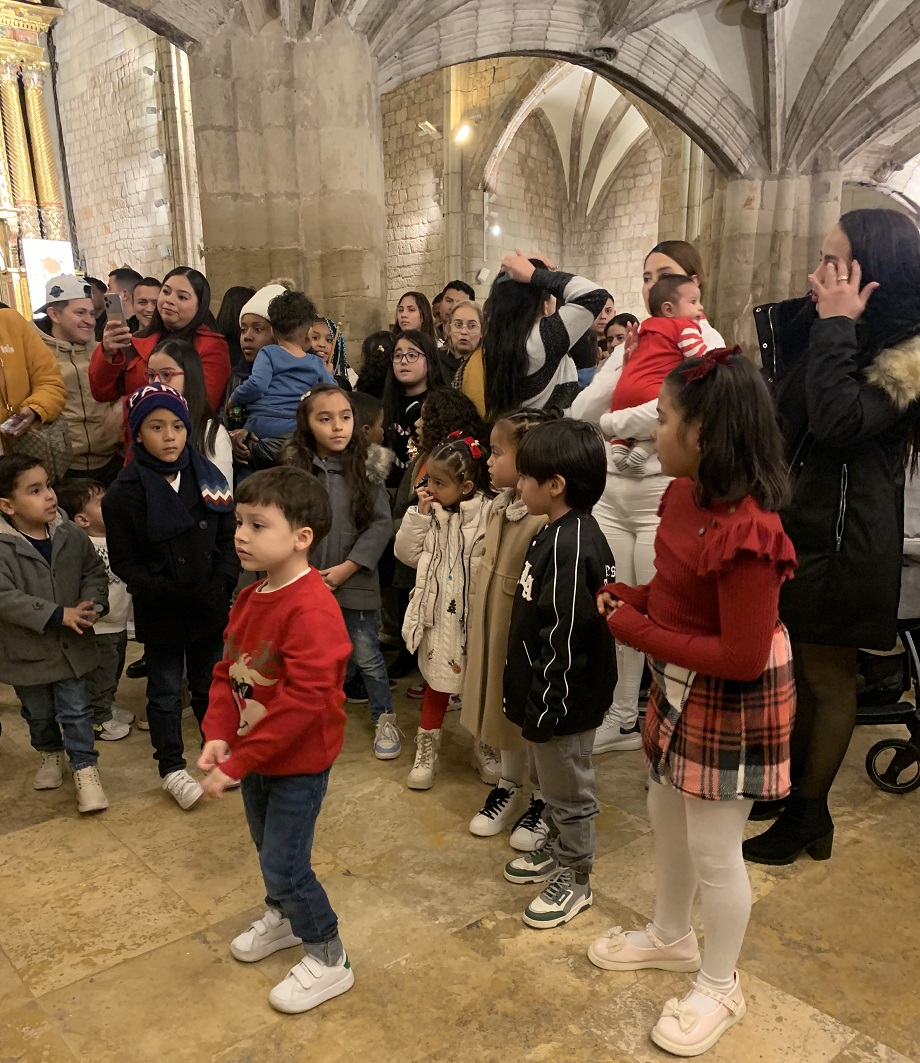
(355,690)
(531,831)
(565,895)
(498,812)
(610,737)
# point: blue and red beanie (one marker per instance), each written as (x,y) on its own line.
(156,397)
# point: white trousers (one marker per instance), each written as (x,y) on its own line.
(698,844)
(628,516)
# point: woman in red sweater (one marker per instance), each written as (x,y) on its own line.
(119,363)
(720,715)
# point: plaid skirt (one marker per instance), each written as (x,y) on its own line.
(719,739)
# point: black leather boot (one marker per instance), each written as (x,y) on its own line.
(137,669)
(805,826)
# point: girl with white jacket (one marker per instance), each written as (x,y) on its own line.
(628,509)
(442,538)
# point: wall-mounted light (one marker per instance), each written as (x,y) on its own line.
(150,71)
(157,154)
(160,202)
(496,230)
(165,251)
(429,129)
(463,133)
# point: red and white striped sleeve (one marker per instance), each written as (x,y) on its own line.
(691,342)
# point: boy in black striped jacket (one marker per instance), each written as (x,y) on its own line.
(561,665)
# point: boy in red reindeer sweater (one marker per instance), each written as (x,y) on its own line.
(275,721)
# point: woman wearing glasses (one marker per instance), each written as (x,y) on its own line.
(415,370)
(464,337)
(117,367)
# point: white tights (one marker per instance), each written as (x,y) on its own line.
(698,843)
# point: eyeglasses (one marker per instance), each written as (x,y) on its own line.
(465,326)
(163,375)
(407,356)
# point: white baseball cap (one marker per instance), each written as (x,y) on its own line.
(63,288)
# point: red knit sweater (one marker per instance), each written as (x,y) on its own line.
(276,698)
(713,604)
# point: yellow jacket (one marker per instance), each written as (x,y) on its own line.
(30,373)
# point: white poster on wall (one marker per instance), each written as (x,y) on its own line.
(44,259)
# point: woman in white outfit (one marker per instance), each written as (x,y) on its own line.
(628,509)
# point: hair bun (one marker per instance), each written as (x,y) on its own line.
(285,282)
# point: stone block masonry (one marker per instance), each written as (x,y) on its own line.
(103,95)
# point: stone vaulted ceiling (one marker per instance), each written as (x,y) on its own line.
(764,85)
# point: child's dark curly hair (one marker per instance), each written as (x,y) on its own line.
(302,450)
(376,359)
(464,458)
(289,313)
(447,410)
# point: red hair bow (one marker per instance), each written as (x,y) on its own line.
(708,363)
(473,444)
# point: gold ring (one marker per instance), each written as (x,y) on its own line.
(845,277)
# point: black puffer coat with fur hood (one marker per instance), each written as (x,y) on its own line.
(847,416)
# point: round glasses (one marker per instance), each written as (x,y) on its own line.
(407,356)
(163,375)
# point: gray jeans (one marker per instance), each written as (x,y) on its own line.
(102,681)
(566,775)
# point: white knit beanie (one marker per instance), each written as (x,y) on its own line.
(258,304)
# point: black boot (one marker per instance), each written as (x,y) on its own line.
(805,826)
(767,809)
(137,669)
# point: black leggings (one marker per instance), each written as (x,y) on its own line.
(825,684)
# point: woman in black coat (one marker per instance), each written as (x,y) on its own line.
(846,368)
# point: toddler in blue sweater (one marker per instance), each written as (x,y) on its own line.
(282,371)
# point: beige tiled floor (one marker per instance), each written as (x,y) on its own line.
(114,929)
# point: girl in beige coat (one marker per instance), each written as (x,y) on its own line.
(509,533)
(442,539)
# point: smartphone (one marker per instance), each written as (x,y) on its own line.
(10,425)
(114,310)
(422,483)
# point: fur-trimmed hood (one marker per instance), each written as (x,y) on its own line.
(896,371)
(379,462)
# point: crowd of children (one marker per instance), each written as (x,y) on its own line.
(512,605)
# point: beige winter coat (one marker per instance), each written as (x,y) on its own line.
(445,548)
(509,533)
(95,429)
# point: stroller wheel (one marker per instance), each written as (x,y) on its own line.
(894,766)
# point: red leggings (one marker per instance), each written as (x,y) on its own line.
(434,709)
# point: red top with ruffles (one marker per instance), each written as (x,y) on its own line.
(713,605)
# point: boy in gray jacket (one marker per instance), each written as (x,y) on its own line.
(53,587)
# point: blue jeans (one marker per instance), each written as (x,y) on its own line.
(52,708)
(281,811)
(366,656)
(166,667)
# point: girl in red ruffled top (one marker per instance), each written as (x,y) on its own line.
(720,714)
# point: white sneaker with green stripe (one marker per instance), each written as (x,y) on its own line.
(532,867)
(565,895)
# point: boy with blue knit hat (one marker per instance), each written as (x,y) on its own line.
(170,523)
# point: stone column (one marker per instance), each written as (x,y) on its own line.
(49,192)
(765,241)
(17,147)
(290,159)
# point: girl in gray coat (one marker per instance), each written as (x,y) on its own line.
(328,444)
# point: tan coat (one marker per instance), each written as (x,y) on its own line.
(95,429)
(509,534)
(31,376)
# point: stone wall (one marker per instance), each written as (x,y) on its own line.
(103,95)
(530,200)
(621,229)
(413,165)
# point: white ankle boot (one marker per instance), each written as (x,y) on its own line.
(426,759)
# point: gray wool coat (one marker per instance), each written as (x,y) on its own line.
(30,592)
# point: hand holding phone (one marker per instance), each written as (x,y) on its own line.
(19,423)
(114,308)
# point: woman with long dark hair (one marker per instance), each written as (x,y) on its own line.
(118,364)
(228,318)
(846,366)
(527,337)
(413,313)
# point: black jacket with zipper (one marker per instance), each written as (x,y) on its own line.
(847,417)
(561,666)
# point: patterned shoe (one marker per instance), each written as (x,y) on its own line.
(565,895)
(682,1031)
(613,952)
(534,867)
